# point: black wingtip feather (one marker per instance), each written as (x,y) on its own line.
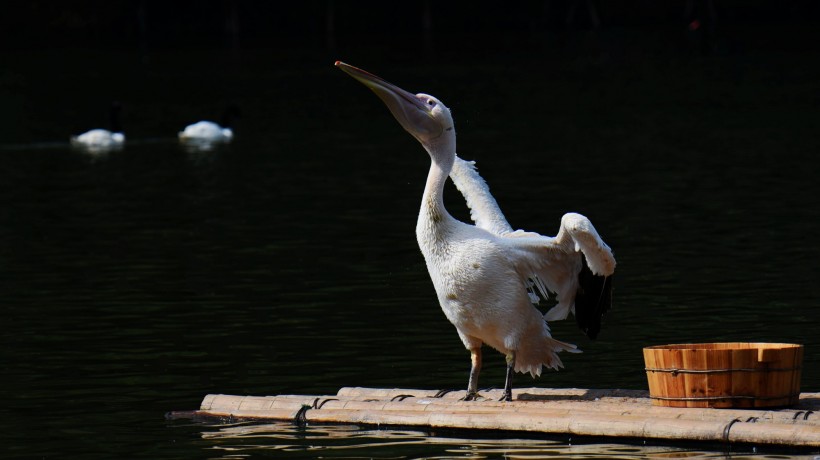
(593,299)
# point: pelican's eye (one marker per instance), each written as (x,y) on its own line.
(431,102)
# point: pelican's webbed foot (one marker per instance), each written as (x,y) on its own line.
(472,396)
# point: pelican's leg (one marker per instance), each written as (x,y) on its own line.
(475,369)
(508,381)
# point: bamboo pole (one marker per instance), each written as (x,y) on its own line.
(610,413)
(257,406)
(620,401)
(585,424)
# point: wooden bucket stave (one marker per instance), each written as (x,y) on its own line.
(721,375)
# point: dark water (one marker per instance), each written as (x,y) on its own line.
(135,282)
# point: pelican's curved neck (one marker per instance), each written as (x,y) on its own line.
(442,154)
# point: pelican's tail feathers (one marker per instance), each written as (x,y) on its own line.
(545,353)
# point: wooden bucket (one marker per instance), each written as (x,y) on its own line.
(736,374)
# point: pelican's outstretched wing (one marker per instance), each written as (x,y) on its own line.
(594,296)
(576,265)
(484,209)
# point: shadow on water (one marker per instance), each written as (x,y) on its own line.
(135,282)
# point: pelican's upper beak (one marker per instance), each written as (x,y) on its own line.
(412,113)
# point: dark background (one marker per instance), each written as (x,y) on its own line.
(137,282)
(448,27)
(128,46)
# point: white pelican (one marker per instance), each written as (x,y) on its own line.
(208,132)
(485,274)
(103,140)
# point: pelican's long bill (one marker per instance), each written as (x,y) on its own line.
(411,111)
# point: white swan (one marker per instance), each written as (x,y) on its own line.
(210,132)
(103,140)
(485,274)
(206,131)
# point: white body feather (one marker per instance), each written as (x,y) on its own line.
(550,264)
(206,131)
(98,139)
(481,272)
(103,140)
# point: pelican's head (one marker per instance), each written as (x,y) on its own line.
(422,115)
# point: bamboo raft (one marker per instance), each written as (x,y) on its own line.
(626,414)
